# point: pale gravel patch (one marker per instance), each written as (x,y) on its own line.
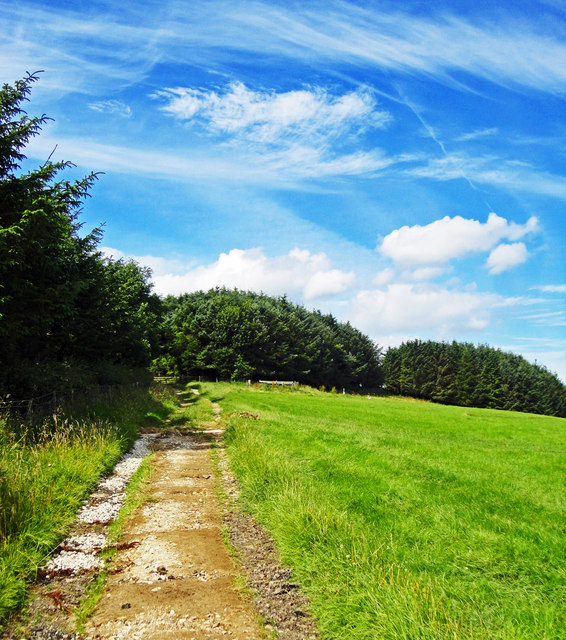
(102,513)
(87,542)
(167,624)
(169,517)
(73,563)
(79,552)
(148,557)
(114,484)
(205,576)
(182,483)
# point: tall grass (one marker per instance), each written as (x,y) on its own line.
(408,520)
(47,469)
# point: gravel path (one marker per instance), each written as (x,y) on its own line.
(172,576)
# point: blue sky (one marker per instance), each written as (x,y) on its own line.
(401,165)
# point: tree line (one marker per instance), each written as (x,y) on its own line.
(71,317)
(239,335)
(472,376)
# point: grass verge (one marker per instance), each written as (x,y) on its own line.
(47,469)
(405,519)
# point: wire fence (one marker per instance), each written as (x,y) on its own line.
(61,400)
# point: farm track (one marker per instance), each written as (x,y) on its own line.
(172,575)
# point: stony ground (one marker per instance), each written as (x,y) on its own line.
(172,575)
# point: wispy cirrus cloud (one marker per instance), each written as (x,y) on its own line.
(478,133)
(268,117)
(305,132)
(551,288)
(548,319)
(114,107)
(285,168)
(510,51)
(498,172)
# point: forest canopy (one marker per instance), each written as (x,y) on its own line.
(472,376)
(239,335)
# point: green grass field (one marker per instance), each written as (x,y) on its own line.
(408,520)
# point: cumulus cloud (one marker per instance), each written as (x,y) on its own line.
(450,238)
(159,266)
(406,307)
(426,273)
(506,256)
(269,117)
(385,276)
(299,273)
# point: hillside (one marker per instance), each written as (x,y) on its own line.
(406,519)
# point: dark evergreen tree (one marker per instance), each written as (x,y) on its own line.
(237,335)
(61,304)
(462,374)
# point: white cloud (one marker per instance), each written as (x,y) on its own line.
(450,238)
(506,51)
(299,273)
(478,133)
(498,172)
(268,117)
(305,133)
(426,273)
(385,276)
(402,308)
(116,107)
(286,167)
(506,256)
(91,52)
(328,283)
(548,319)
(159,266)
(552,288)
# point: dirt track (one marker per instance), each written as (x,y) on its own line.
(176,580)
(172,575)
